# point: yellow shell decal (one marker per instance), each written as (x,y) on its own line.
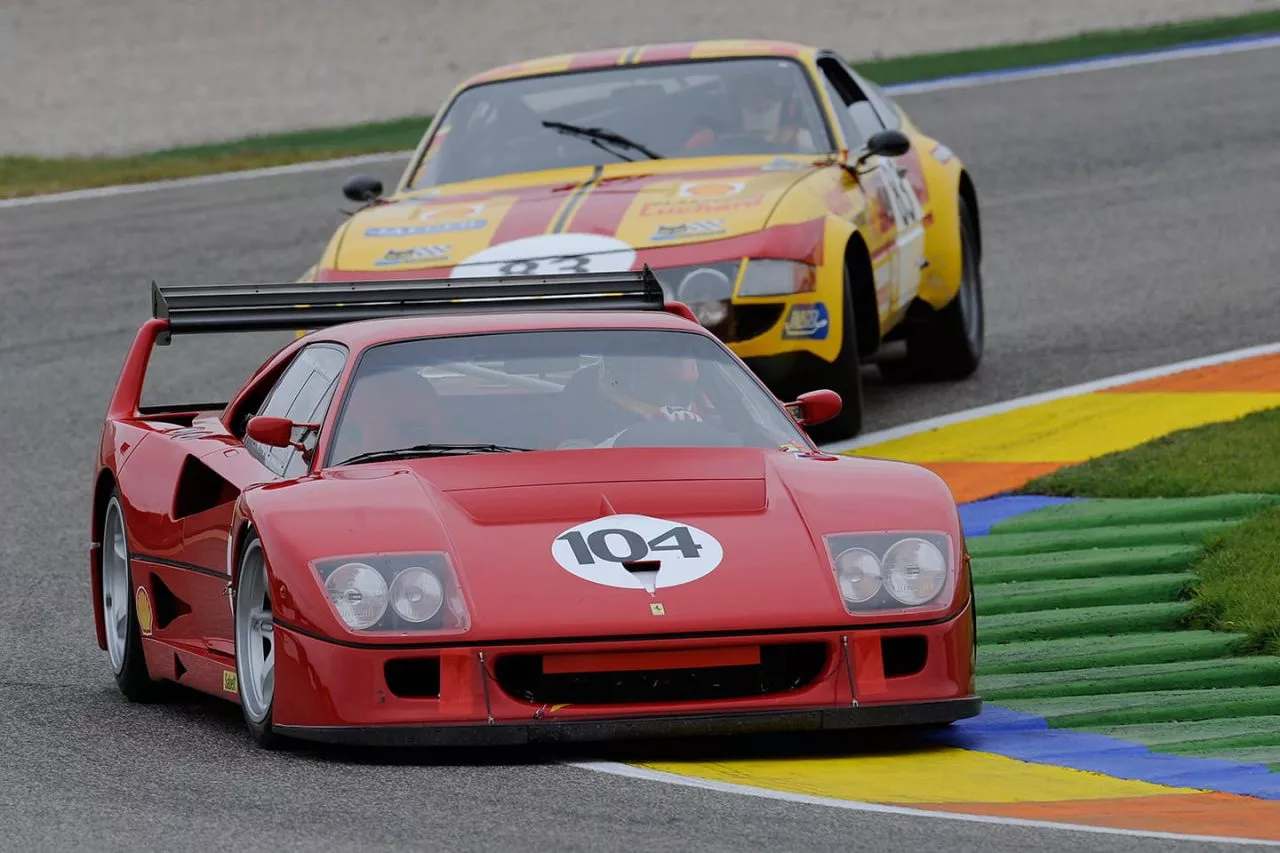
(142,606)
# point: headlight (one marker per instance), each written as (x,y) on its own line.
(359,593)
(705,288)
(858,573)
(890,571)
(765,277)
(417,594)
(395,592)
(915,571)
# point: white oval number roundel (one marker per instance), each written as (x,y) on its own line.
(637,552)
(550,254)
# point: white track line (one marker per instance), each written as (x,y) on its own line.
(1048,396)
(618,769)
(962,81)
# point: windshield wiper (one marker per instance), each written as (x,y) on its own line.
(419,451)
(598,135)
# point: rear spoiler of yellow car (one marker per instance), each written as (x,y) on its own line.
(197,309)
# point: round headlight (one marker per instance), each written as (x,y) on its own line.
(707,292)
(359,592)
(858,573)
(416,594)
(914,571)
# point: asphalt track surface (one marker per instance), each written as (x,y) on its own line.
(1126,217)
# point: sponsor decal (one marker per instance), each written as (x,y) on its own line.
(696,207)
(550,254)
(142,609)
(451,212)
(782,164)
(694,228)
(637,552)
(416,255)
(229,682)
(807,320)
(941,153)
(416,230)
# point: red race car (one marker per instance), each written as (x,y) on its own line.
(497,510)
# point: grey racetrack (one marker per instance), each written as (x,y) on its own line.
(1129,221)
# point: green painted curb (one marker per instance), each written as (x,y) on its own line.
(1111,512)
(1090,712)
(1089,652)
(1083,622)
(1139,678)
(1205,731)
(1009,544)
(1096,563)
(1058,595)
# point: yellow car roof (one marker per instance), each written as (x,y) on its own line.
(642,55)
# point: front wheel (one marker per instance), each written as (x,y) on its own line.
(255,643)
(948,345)
(844,376)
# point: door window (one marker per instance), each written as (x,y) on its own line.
(858,118)
(302,395)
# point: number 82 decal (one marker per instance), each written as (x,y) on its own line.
(597,550)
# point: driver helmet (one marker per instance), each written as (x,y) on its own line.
(652,387)
(761,93)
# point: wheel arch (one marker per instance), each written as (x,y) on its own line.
(866,317)
(103,487)
(969,194)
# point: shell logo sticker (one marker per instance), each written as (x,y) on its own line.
(637,552)
(710,189)
(142,607)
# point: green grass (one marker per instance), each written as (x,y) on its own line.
(21,176)
(1239,587)
(1237,456)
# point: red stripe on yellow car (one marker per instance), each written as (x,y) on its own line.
(597,58)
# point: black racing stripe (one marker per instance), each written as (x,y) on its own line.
(615,638)
(576,200)
(175,564)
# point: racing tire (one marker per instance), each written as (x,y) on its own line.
(120,621)
(255,643)
(844,376)
(948,345)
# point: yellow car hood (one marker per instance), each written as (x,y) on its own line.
(504,227)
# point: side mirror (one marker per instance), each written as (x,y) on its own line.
(273,432)
(362,188)
(886,143)
(815,407)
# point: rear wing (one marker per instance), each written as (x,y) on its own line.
(207,309)
(195,309)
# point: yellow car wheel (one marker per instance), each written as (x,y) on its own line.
(844,376)
(948,344)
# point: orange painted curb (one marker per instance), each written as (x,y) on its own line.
(1189,814)
(971,481)
(1257,375)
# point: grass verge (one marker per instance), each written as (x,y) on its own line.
(1239,586)
(23,176)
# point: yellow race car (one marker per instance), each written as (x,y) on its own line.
(786,199)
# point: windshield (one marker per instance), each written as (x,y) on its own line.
(686,109)
(551,390)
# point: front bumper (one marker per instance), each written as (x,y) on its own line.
(503,693)
(497,734)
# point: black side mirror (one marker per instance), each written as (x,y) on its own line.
(886,143)
(362,188)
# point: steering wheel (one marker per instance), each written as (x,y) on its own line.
(749,143)
(662,433)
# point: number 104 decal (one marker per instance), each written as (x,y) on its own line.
(637,552)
